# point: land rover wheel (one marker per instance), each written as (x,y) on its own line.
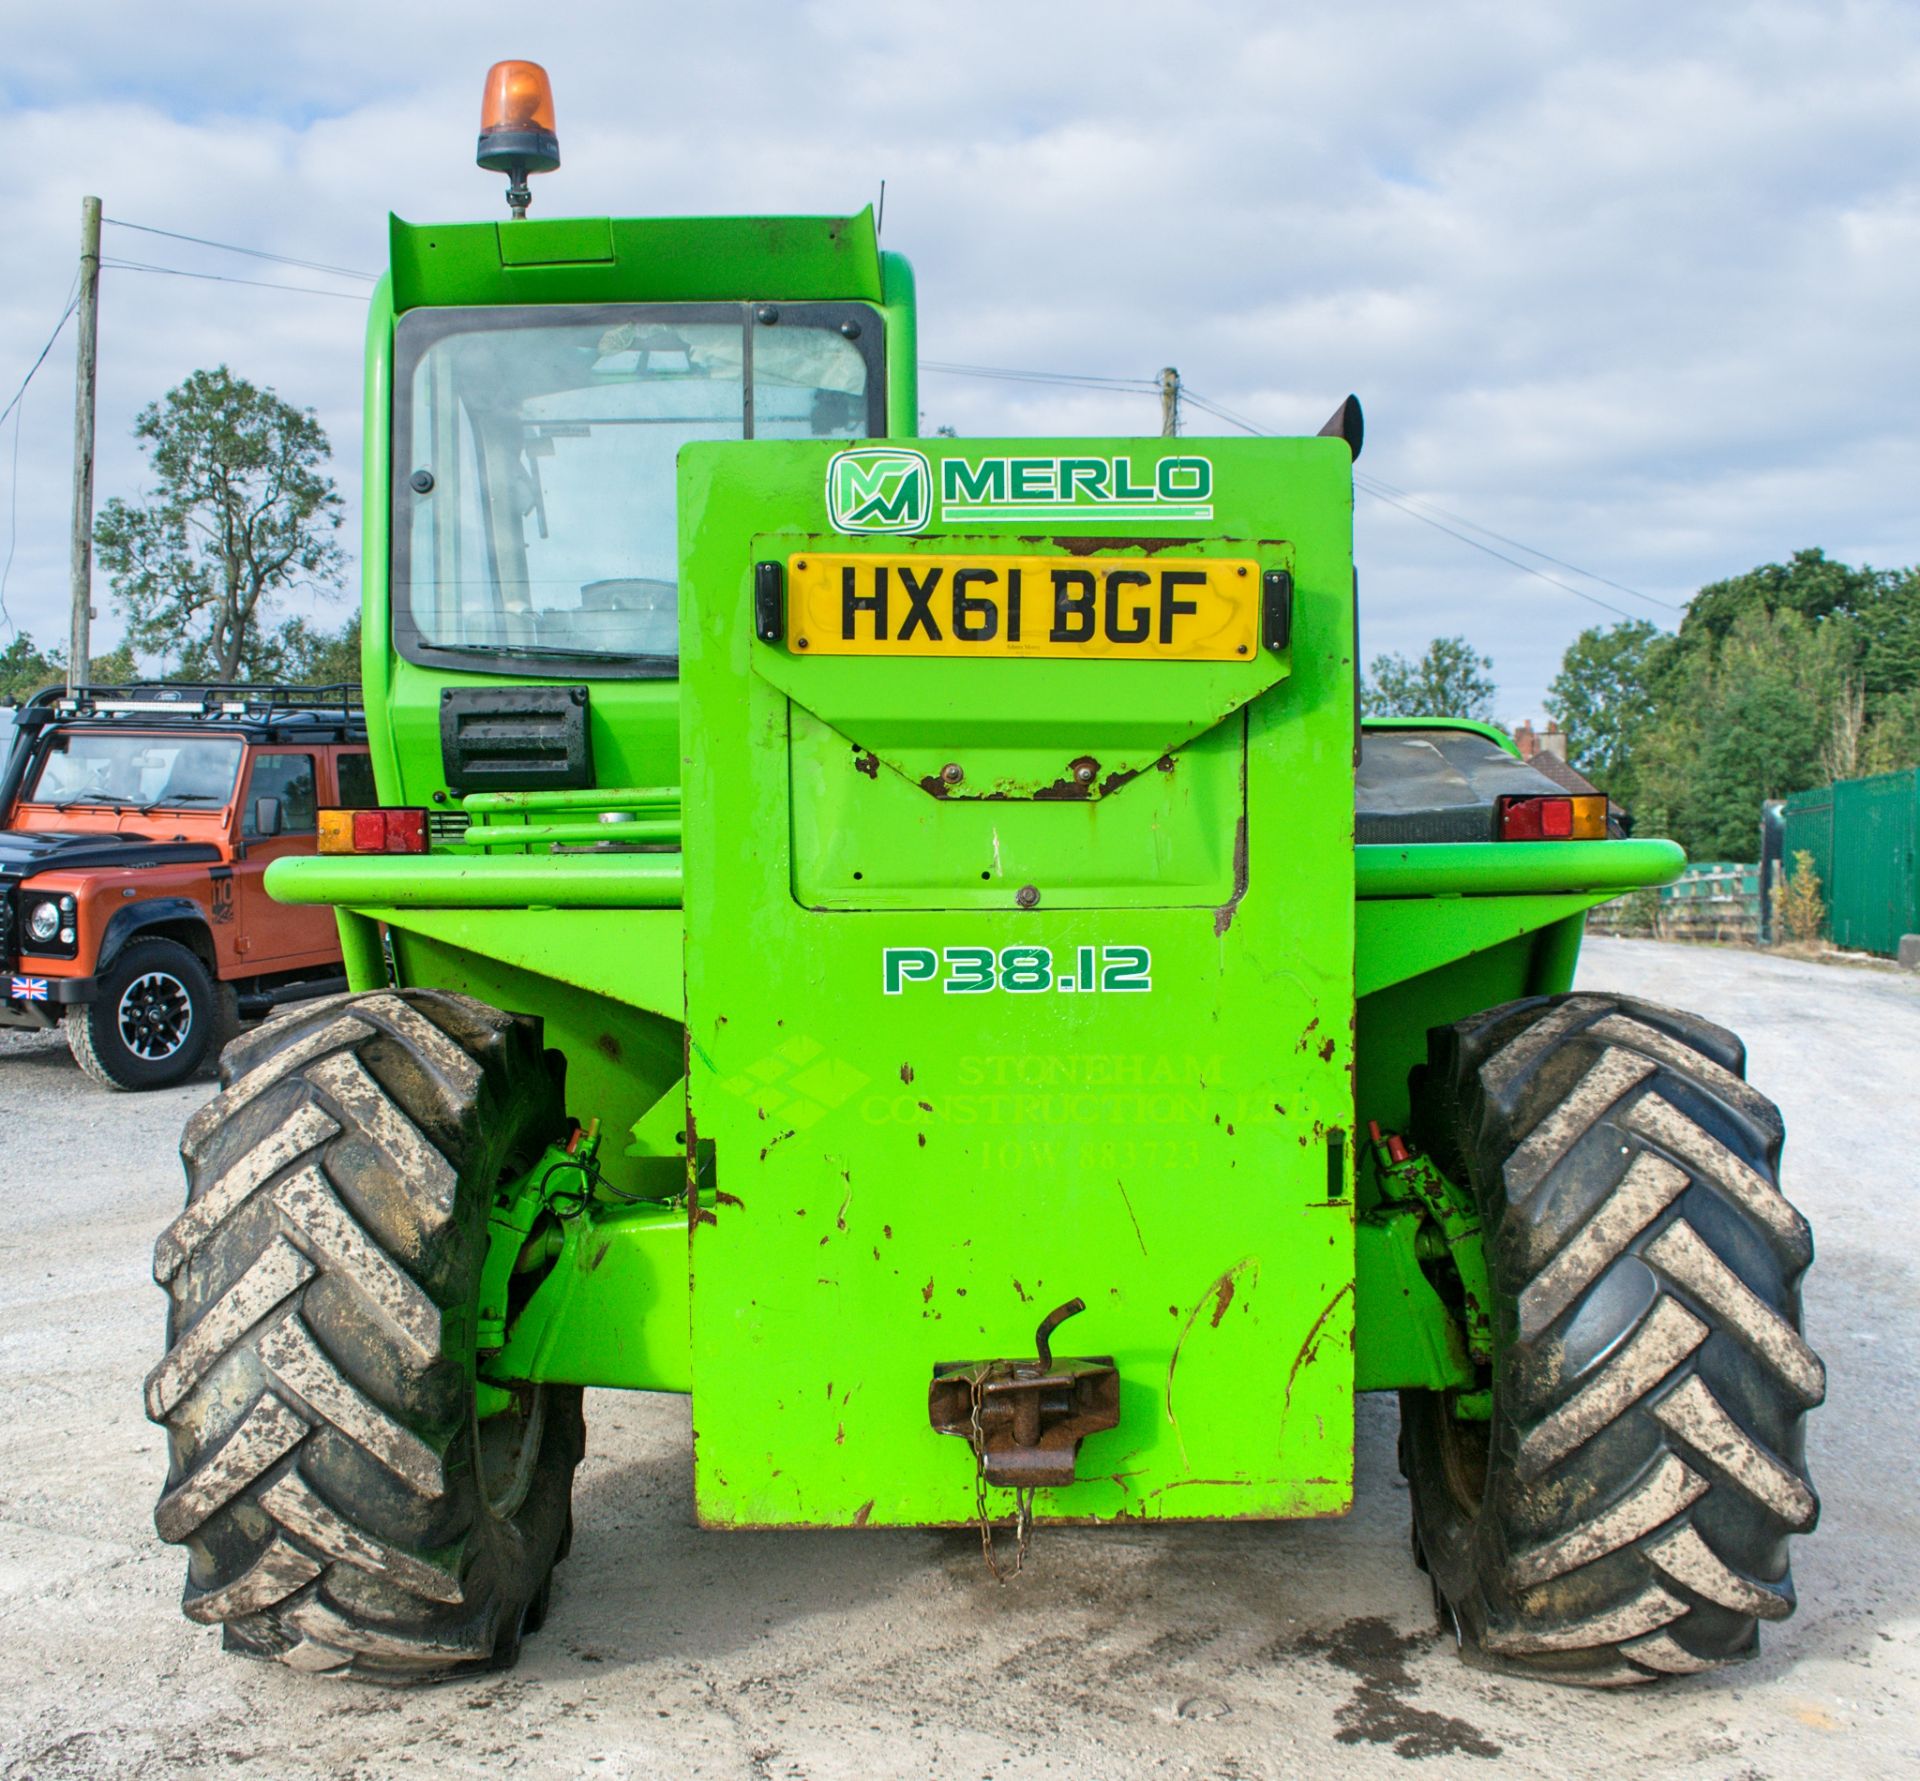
(153,1023)
(1624,1513)
(350,1497)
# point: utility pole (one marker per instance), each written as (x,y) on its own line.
(85,365)
(1169,403)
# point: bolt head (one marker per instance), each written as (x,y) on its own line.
(1027,895)
(1084,775)
(953,773)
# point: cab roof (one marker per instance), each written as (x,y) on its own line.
(600,259)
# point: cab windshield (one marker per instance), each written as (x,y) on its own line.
(152,772)
(534,464)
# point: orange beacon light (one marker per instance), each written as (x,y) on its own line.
(516,128)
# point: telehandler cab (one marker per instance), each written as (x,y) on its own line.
(910,942)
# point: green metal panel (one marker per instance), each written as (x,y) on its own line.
(1402,937)
(1864,835)
(914,1178)
(1403,1335)
(614,1309)
(1875,898)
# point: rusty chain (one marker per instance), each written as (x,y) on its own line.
(1022,1499)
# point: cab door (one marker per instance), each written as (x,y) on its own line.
(278,818)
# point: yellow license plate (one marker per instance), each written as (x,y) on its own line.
(1145,609)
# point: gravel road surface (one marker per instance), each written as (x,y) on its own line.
(1230,1650)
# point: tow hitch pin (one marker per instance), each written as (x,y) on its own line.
(1043,1336)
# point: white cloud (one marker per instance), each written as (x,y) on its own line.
(1634,283)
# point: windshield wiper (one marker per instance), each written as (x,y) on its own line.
(508,651)
(181,798)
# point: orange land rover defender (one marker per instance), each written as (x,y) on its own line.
(136,826)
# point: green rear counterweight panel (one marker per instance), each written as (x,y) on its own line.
(910,1178)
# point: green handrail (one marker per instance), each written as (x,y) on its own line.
(1513,868)
(627,797)
(439,881)
(540,834)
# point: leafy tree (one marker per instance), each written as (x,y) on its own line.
(25,669)
(1779,678)
(1811,585)
(116,668)
(1892,740)
(1449,680)
(1754,727)
(241,516)
(323,658)
(1889,629)
(1600,696)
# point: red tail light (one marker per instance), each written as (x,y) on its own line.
(1536,819)
(373,831)
(1553,819)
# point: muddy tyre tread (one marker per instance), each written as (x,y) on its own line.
(1646,1463)
(317,1388)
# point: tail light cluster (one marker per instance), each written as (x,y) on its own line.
(1553,819)
(402,830)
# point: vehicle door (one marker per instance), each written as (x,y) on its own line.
(277,818)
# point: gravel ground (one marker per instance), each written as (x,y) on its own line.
(1229,1650)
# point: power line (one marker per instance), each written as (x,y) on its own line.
(257,284)
(1225,414)
(1381,491)
(1526,568)
(1458,519)
(1394,497)
(1131,385)
(13,477)
(252,253)
(42,359)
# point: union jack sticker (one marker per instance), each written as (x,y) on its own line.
(28,989)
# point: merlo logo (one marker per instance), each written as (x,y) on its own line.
(880,488)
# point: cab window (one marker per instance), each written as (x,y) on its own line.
(534,455)
(289,778)
(356,781)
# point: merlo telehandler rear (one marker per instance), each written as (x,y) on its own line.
(909,942)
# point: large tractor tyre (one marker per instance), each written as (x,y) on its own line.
(154,1021)
(1625,1513)
(344,1504)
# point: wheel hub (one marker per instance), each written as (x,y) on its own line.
(155,1016)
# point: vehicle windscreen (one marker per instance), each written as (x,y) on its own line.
(534,464)
(153,772)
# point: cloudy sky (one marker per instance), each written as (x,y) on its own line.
(1637,286)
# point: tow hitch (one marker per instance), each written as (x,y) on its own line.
(1025,1419)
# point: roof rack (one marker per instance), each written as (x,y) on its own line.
(240,701)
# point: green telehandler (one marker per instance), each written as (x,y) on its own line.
(910,942)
